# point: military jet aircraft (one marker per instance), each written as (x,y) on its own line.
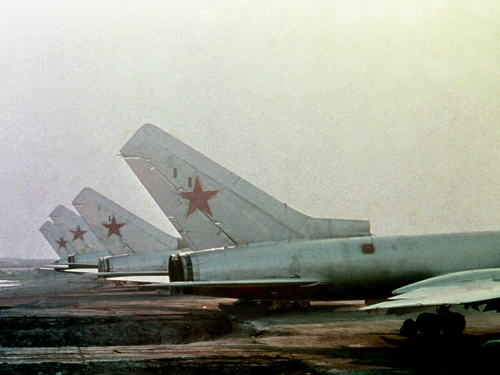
(263,249)
(69,261)
(120,230)
(74,230)
(57,242)
(62,247)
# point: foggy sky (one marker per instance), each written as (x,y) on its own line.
(380,110)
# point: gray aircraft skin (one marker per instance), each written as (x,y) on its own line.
(333,269)
(69,260)
(135,264)
(120,230)
(269,251)
(75,231)
(62,248)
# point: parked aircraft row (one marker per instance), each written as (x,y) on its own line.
(237,241)
(106,239)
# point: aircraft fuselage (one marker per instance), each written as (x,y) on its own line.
(347,268)
(155,261)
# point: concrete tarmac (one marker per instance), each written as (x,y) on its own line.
(72,325)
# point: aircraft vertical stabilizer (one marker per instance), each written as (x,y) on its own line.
(119,229)
(62,247)
(212,207)
(76,231)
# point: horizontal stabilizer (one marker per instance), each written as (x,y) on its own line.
(81,270)
(57,266)
(235,283)
(70,266)
(145,279)
(82,265)
(132,274)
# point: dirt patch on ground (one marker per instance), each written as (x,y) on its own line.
(118,330)
(54,330)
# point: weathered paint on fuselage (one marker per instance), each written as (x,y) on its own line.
(341,265)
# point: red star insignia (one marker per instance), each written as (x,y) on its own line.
(114,227)
(198,199)
(62,243)
(78,233)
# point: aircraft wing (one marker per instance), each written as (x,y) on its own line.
(235,283)
(474,287)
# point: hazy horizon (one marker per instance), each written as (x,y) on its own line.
(379,110)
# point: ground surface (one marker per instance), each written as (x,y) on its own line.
(70,325)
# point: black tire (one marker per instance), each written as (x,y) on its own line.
(409,328)
(303,305)
(428,324)
(453,324)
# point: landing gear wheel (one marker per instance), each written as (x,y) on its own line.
(287,304)
(276,305)
(452,323)
(303,305)
(428,324)
(409,328)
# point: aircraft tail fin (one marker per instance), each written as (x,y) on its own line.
(76,231)
(211,206)
(56,240)
(119,229)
